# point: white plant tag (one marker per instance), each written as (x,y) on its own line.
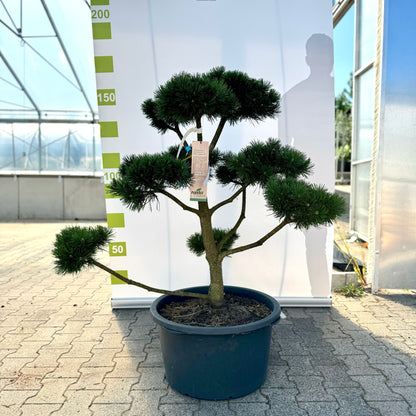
(200,170)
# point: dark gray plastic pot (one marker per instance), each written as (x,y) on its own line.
(216,363)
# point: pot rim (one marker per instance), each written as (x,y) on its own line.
(269,320)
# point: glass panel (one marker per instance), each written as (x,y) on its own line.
(364,123)
(74,24)
(7,77)
(35,21)
(12,16)
(361,186)
(64,147)
(68,147)
(98,166)
(366,31)
(29,45)
(26,146)
(32,52)
(59,93)
(54,149)
(6,147)
(13,98)
(49,49)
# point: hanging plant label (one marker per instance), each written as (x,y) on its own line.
(200,170)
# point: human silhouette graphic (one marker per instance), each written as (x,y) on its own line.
(307,122)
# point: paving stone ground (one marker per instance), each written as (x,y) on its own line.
(64,351)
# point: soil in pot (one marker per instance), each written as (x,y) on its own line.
(236,310)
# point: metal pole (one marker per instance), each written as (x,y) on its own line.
(21,85)
(13,148)
(40,147)
(68,144)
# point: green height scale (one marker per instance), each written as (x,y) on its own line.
(107,98)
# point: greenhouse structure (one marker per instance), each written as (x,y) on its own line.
(50,155)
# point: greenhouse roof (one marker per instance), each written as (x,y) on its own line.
(46,62)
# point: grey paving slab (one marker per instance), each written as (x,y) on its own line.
(278,378)
(283,402)
(358,365)
(409,394)
(351,402)
(311,388)
(336,376)
(300,365)
(146,402)
(396,375)
(64,351)
(210,408)
(320,408)
(107,409)
(387,408)
(375,388)
(254,409)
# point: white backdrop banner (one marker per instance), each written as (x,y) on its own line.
(138,46)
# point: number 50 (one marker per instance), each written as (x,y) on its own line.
(117,249)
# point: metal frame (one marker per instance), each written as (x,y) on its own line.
(33,113)
(9,67)
(74,72)
(17,31)
(339,9)
(354,163)
(377,171)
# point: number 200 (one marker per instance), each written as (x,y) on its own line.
(100,14)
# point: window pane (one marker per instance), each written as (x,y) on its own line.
(366,31)
(359,220)
(364,124)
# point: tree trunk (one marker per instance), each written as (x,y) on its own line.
(216,287)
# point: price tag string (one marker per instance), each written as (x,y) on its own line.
(191,130)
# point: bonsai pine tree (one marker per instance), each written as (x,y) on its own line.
(185,101)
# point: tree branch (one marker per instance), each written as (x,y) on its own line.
(228,200)
(256,243)
(178,131)
(217,134)
(179,202)
(198,126)
(149,288)
(237,224)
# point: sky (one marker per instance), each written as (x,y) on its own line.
(343,50)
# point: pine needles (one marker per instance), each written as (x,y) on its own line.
(75,247)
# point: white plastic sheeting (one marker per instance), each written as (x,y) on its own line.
(148,42)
